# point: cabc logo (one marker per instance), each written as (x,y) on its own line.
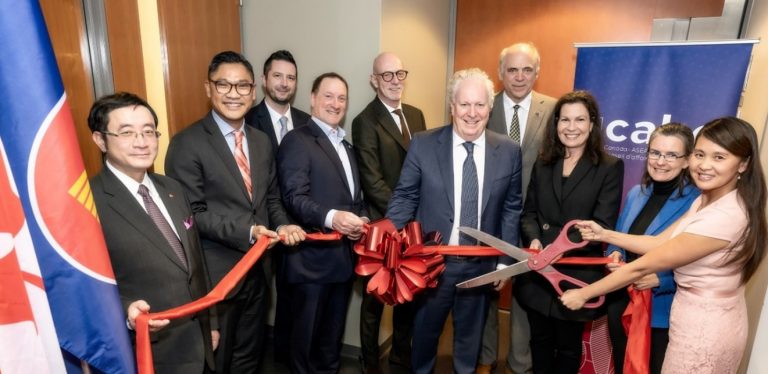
(618,130)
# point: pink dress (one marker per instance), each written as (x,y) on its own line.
(708,321)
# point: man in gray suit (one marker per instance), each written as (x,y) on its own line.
(523,115)
(150,235)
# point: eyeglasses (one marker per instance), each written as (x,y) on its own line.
(132,135)
(242,88)
(671,157)
(387,76)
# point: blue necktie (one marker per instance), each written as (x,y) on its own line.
(469,192)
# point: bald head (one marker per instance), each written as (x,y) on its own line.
(388,78)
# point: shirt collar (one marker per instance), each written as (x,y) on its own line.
(327,129)
(525,103)
(389,108)
(458,141)
(275,116)
(129,182)
(224,127)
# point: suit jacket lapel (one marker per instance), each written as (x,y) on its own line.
(534,122)
(353,164)
(634,209)
(219,144)
(123,202)
(444,155)
(579,172)
(252,159)
(265,123)
(497,122)
(387,122)
(671,208)
(172,204)
(330,151)
(491,155)
(557,180)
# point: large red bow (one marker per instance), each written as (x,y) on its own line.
(400,262)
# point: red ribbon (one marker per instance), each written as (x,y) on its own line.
(143,348)
(637,324)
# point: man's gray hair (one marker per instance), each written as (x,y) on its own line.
(471,73)
(526,47)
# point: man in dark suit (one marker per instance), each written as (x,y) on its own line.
(228,171)
(523,115)
(275,116)
(459,175)
(321,189)
(279,83)
(150,234)
(382,133)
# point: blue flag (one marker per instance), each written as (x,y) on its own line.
(43,160)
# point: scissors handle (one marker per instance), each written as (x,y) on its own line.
(554,250)
(557,278)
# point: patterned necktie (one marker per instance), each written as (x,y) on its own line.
(469,192)
(283,127)
(242,162)
(514,127)
(403,127)
(162,224)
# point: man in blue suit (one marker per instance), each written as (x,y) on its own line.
(459,175)
(321,189)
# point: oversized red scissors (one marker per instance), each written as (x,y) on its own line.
(540,262)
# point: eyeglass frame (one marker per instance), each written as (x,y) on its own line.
(669,157)
(235,85)
(393,74)
(126,135)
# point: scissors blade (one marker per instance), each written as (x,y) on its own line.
(509,271)
(506,248)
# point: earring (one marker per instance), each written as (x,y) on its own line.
(738,177)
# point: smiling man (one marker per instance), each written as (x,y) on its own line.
(228,170)
(321,189)
(382,133)
(153,245)
(459,175)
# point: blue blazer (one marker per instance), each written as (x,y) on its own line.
(424,191)
(674,208)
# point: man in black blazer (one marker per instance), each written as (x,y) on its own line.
(158,265)
(381,134)
(228,171)
(321,189)
(519,67)
(278,80)
(459,175)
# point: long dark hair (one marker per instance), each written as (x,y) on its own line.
(685,135)
(554,150)
(739,138)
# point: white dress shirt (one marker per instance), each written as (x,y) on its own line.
(336,136)
(459,155)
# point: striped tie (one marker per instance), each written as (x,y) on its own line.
(242,162)
(162,224)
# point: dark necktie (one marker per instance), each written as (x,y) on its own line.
(514,126)
(403,128)
(469,192)
(162,224)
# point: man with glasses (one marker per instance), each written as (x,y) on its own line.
(522,114)
(153,245)
(228,170)
(381,134)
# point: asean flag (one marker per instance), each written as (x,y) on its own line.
(54,223)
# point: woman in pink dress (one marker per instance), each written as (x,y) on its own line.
(714,248)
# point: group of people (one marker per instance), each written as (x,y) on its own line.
(518,165)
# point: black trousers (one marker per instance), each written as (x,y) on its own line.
(555,344)
(402,324)
(242,324)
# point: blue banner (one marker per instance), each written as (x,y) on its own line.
(644,86)
(39,140)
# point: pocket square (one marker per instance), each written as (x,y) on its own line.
(189,221)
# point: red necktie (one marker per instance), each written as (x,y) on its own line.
(242,162)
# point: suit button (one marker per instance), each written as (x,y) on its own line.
(545,226)
(450,220)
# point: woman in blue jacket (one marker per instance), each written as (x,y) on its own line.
(664,194)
